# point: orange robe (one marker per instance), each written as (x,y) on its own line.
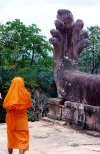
(16,102)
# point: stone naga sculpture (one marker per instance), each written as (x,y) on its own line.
(69,39)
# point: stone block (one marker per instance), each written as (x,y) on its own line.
(55,108)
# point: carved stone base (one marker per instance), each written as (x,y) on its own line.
(74,114)
(77,115)
(92,117)
(55,108)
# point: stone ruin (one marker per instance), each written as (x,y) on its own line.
(78,102)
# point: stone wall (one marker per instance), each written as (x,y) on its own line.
(77,115)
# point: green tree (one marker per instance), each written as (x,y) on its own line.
(24,52)
(21,45)
(89,60)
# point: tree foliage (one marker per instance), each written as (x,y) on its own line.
(24,52)
(21,45)
(90,57)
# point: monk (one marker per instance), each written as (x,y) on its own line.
(16,103)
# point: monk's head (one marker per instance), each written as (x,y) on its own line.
(18,81)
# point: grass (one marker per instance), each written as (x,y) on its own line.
(41,137)
(58,130)
(74,145)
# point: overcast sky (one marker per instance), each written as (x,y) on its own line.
(43,12)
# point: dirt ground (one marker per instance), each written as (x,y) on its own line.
(51,138)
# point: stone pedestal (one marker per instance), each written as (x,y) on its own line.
(92,120)
(82,116)
(55,108)
(74,114)
(77,115)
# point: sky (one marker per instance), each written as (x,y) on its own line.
(43,12)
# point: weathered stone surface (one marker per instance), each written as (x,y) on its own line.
(79,91)
(51,138)
(79,116)
(69,39)
(55,108)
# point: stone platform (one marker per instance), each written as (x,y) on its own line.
(77,115)
(52,137)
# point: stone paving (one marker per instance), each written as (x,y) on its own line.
(51,138)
